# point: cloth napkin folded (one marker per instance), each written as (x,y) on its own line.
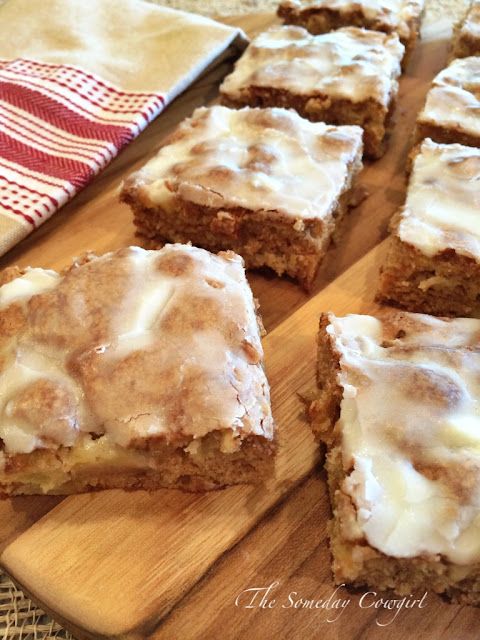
(79,79)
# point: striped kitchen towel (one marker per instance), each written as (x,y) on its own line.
(79,79)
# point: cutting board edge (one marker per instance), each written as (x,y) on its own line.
(78,632)
(146,627)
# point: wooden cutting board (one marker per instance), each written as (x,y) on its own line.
(169,565)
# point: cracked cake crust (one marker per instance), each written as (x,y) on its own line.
(265,183)
(136,369)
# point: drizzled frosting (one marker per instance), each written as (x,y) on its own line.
(134,344)
(349,63)
(410,432)
(454,98)
(257,159)
(443,201)
(470,28)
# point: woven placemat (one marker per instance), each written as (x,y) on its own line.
(20,619)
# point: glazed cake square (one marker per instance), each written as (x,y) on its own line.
(389,16)
(433,259)
(398,408)
(452,108)
(265,183)
(133,370)
(466,38)
(348,77)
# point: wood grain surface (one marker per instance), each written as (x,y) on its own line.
(170,565)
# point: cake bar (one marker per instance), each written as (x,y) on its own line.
(134,370)
(398,408)
(389,16)
(466,40)
(349,76)
(265,183)
(452,108)
(433,260)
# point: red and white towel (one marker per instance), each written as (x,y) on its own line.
(79,79)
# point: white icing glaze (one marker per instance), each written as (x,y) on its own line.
(443,200)
(32,282)
(410,429)
(454,99)
(20,435)
(349,63)
(258,159)
(136,329)
(114,347)
(24,367)
(471,25)
(394,14)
